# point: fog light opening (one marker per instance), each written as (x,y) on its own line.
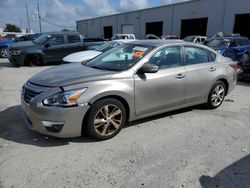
(53,126)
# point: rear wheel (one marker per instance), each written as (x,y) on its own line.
(216,95)
(3,52)
(106,119)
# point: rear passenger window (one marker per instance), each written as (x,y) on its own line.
(195,55)
(73,39)
(167,58)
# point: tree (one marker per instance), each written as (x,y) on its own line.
(65,29)
(11,28)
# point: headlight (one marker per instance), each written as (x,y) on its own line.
(65,99)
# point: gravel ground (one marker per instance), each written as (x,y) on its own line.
(193,147)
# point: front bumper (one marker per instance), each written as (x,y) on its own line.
(35,114)
(17,60)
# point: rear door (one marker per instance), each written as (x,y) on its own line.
(201,72)
(162,90)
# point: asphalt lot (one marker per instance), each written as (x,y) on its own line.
(193,147)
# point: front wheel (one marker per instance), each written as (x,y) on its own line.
(216,95)
(3,52)
(105,119)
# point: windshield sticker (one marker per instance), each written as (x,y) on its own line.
(138,54)
(137,48)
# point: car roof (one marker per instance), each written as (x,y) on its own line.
(158,42)
(62,33)
(124,40)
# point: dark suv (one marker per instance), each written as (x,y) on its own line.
(46,49)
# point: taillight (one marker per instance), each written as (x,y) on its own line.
(235,66)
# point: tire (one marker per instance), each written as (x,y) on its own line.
(3,52)
(216,95)
(35,60)
(105,119)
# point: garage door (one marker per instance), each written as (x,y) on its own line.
(128,29)
(196,26)
(241,20)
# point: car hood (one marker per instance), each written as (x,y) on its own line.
(69,74)
(81,56)
(21,45)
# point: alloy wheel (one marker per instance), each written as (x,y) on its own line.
(4,52)
(218,95)
(108,120)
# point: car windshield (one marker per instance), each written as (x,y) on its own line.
(218,43)
(119,58)
(107,46)
(42,39)
(189,38)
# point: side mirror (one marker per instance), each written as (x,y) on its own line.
(148,68)
(47,45)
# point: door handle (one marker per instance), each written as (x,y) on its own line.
(211,69)
(180,76)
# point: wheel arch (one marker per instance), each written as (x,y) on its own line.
(117,97)
(225,81)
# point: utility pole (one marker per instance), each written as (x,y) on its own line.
(28,18)
(39,17)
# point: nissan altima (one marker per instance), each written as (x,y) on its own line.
(129,82)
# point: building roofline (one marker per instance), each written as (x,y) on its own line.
(139,10)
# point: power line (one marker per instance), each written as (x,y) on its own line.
(39,17)
(61,26)
(28,18)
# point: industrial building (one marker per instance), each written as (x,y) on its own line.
(195,17)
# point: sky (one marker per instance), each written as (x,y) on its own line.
(60,14)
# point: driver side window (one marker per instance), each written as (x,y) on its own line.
(169,57)
(56,40)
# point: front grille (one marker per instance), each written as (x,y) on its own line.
(29,93)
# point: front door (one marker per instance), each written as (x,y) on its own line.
(55,49)
(162,90)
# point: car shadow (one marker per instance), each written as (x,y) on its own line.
(13,128)
(244,83)
(7,65)
(235,175)
(163,115)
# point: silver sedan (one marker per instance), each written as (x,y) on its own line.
(128,82)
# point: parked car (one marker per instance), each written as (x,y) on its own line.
(244,70)
(165,37)
(78,57)
(195,39)
(128,82)
(49,48)
(123,36)
(233,47)
(6,43)
(1,38)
